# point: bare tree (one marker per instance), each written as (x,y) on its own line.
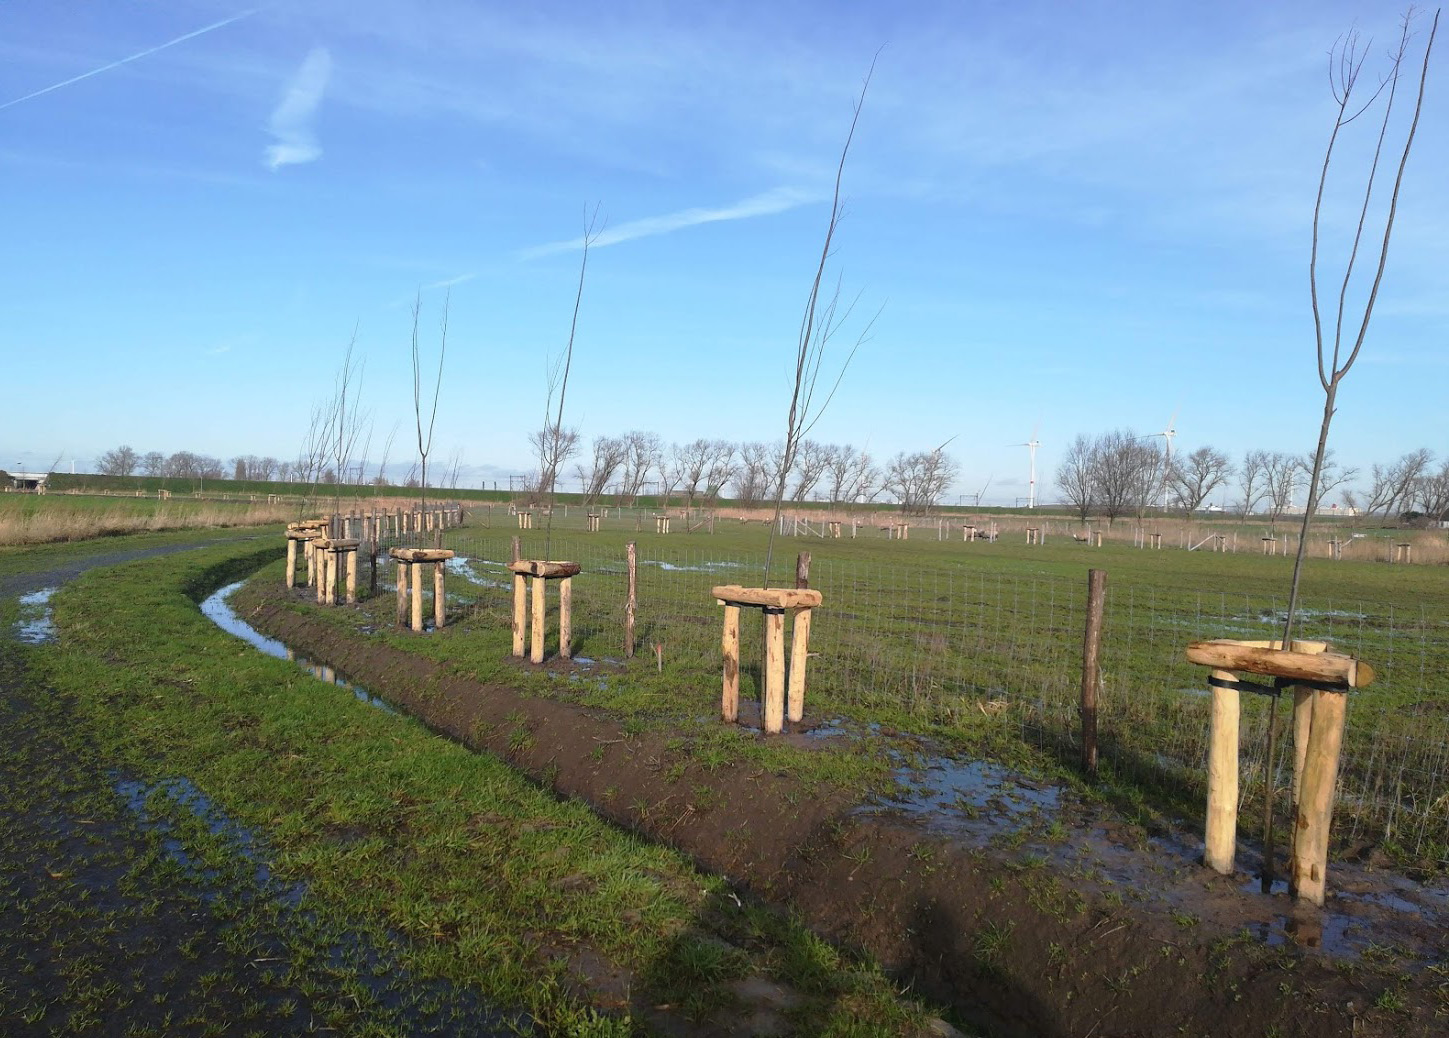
(920,478)
(1281,472)
(425,438)
(1394,486)
(819,324)
(555,438)
(752,475)
(346,420)
(811,461)
(1432,492)
(1193,478)
(554,446)
(722,468)
(689,462)
(852,476)
(119,462)
(1336,353)
(1126,473)
(1331,475)
(1076,476)
(153,463)
(609,456)
(643,452)
(1252,480)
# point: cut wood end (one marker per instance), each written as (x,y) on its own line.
(1264,659)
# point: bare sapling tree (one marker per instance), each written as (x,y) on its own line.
(819,324)
(346,421)
(555,438)
(425,437)
(1338,348)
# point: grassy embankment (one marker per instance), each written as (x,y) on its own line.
(461,871)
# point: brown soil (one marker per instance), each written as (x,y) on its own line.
(1101,930)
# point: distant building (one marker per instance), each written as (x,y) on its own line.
(29,482)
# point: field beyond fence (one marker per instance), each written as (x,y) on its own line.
(949,637)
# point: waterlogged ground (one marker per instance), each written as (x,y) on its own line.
(139,908)
(403,887)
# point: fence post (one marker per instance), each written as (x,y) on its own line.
(631,604)
(802,570)
(1091,670)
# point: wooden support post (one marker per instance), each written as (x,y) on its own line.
(802,570)
(440,598)
(1222,804)
(540,603)
(417,568)
(730,647)
(1091,667)
(565,617)
(515,550)
(320,568)
(799,653)
(520,611)
(291,561)
(402,592)
(774,670)
(352,577)
(1315,807)
(307,549)
(631,604)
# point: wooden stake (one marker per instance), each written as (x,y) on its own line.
(352,578)
(799,653)
(802,570)
(774,670)
(540,601)
(1222,807)
(730,647)
(291,562)
(631,604)
(520,610)
(514,548)
(417,568)
(402,592)
(1091,667)
(565,617)
(1315,810)
(440,599)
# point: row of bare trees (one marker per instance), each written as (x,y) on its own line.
(1122,474)
(701,471)
(1119,473)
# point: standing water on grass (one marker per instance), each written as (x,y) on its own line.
(216,609)
(35,626)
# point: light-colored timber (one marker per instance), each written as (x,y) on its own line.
(774,598)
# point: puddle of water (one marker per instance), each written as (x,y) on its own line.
(137,797)
(971,800)
(219,611)
(426,1003)
(35,626)
(703,567)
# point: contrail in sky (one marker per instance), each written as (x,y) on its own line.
(134,57)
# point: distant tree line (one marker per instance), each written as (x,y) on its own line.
(1120,473)
(702,471)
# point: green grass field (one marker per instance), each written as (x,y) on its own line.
(980,644)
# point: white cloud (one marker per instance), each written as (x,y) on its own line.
(777,200)
(291,122)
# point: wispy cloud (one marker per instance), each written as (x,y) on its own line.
(777,200)
(450,282)
(133,57)
(291,122)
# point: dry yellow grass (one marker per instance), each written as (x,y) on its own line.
(49,523)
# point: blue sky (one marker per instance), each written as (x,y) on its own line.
(1075,216)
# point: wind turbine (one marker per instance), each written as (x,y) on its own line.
(1167,435)
(1031,445)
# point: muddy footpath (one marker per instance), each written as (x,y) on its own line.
(1026,909)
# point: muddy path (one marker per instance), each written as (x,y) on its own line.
(1025,909)
(107,927)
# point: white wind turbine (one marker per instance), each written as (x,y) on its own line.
(1167,435)
(1031,445)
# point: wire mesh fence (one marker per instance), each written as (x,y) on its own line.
(954,639)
